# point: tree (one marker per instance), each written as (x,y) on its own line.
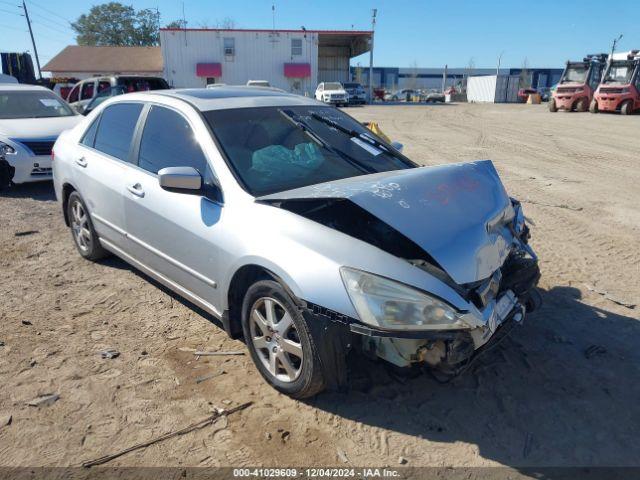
(413,76)
(182,24)
(227,23)
(468,72)
(116,24)
(525,78)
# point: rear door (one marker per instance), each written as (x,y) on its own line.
(103,158)
(174,233)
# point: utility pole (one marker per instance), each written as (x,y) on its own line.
(33,42)
(374,12)
(499,61)
(444,78)
(273,15)
(614,44)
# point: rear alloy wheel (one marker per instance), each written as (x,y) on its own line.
(279,341)
(627,108)
(84,236)
(593,108)
(552,106)
(582,105)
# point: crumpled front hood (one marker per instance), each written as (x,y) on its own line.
(26,128)
(457,213)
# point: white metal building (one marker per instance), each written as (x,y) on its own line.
(493,89)
(293,60)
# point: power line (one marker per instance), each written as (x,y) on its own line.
(57,30)
(49,11)
(53,39)
(53,22)
(13,28)
(10,12)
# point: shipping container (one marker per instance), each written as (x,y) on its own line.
(493,89)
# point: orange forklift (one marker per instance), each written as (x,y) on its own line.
(619,90)
(578,83)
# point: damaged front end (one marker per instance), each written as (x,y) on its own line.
(7,171)
(496,306)
(454,222)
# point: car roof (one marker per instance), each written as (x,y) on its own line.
(21,87)
(98,77)
(222,98)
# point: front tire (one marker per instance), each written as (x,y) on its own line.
(280,342)
(593,108)
(581,105)
(552,106)
(627,108)
(84,236)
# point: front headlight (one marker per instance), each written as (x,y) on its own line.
(384,303)
(6,149)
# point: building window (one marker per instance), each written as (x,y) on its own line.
(229,47)
(296,46)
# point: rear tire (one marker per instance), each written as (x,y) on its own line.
(280,342)
(627,108)
(552,106)
(593,108)
(84,236)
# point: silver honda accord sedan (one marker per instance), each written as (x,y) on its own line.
(300,230)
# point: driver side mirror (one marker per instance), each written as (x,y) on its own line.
(180,179)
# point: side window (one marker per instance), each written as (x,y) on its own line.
(116,129)
(87,91)
(168,141)
(89,136)
(103,85)
(73,96)
(296,46)
(229,47)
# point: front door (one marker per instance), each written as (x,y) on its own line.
(174,233)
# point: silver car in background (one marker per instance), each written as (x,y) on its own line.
(299,229)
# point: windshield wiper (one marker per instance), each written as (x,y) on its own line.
(302,125)
(364,137)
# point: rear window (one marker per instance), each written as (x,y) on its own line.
(142,84)
(117,125)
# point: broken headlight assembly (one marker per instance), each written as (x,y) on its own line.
(391,305)
(6,149)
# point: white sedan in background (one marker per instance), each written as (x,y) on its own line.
(332,93)
(31,118)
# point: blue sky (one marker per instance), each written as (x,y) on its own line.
(408,32)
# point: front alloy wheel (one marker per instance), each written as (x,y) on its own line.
(279,340)
(276,340)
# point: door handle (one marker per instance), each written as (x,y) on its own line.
(82,162)
(136,190)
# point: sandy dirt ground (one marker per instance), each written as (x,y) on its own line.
(564,389)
